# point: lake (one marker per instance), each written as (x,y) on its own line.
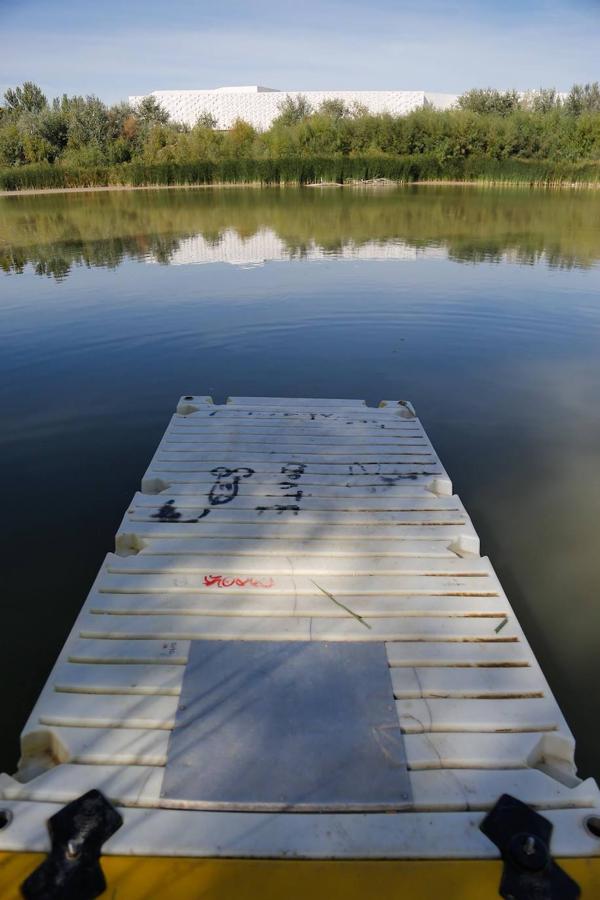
(481,306)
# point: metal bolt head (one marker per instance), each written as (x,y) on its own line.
(73,849)
(529,845)
(529,851)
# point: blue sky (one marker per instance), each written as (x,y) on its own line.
(120,47)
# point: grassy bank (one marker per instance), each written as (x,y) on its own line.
(301,171)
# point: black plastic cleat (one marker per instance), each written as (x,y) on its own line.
(523,838)
(72,871)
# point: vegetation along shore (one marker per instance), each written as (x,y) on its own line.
(492,136)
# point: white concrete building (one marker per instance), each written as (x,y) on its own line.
(260,105)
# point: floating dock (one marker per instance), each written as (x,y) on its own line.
(298,674)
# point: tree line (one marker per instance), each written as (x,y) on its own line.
(79,133)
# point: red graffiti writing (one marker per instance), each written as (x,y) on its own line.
(224,581)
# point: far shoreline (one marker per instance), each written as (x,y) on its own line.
(375,183)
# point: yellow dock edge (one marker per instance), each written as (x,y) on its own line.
(173,878)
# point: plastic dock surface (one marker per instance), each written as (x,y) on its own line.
(281,520)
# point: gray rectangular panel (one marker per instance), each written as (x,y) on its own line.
(295,724)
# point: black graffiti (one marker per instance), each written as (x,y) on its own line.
(296,495)
(279,508)
(363,470)
(374,470)
(293,470)
(169,513)
(227,484)
(394,479)
(224,490)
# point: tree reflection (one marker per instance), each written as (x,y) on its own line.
(54,233)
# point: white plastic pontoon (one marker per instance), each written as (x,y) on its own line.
(284,523)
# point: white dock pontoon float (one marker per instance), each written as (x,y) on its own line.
(297,677)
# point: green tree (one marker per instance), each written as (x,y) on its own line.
(359,110)
(150,112)
(37,149)
(28,98)
(12,151)
(53,127)
(334,108)
(160,144)
(544,100)
(88,121)
(583,98)
(117,115)
(293,110)
(489,101)
(201,143)
(206,120)
(240,138)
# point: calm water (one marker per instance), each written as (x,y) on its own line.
(482,307)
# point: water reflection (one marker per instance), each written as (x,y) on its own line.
(54,233)
(266,246)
